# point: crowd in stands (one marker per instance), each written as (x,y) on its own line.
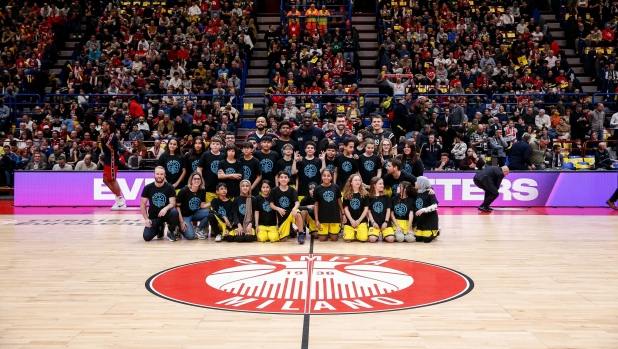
(183,61)
(312,62)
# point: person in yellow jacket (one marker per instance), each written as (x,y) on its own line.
(293,13)
(311,19)
(323,15)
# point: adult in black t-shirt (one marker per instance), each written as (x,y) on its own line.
(396,176)
(209,167)
(173,163)
(191,203)
(161,197)
(268,159)
(285,131)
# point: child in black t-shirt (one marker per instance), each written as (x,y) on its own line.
(403,212)
(223,215)
(284,200)
(231,171)
(355,207)
(244,231)
(328,208)
(426,212)
(379,212)
(265,216)
(306,208)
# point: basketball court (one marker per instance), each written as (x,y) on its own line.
(517,278)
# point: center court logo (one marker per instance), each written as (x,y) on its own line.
(310,284)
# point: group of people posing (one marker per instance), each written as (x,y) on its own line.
(276,194)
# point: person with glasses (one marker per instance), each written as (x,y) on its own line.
(192,207)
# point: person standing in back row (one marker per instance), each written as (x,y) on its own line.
(489,180)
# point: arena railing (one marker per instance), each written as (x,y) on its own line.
(511,99)
(267,100)
(608,99)
(23,103)
(94,101)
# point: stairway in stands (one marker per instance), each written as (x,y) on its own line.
(257,81)
(575,63)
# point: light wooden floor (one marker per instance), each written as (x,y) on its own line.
(540,282)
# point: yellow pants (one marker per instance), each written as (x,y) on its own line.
(329,228)
(300,198)
(267,233)
(223,227)
(234,232)
(388,231)
(403,223)
(361,232)
(286,226)
(211,196)
(311,224)
(426,233)
(388,191)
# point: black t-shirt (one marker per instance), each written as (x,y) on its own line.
(331,164)
(173,166)
(356,206)
(308,171)
(380,136)
(250,170)
(209,162)
(346,166)
(390,181)
(158,197)
(368,167)
(328,205)
(284,199)
(223,209)
(403,207)
(379,207)
(415,168)
(268,162)
(308,201)
(278,147)
(286,165)
(233,185)
(240,205)
(190,201)
(191,165)
(268,217)
(428,220)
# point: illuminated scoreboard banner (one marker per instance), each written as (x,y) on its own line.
(532,188)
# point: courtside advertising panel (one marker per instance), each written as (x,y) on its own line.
(543,188)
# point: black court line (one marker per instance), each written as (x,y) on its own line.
(305,341)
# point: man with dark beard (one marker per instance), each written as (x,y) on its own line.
(307,133)
(162,198)
(260,125)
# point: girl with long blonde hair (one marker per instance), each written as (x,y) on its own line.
(355,208)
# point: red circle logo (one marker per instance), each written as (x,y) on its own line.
(310,284)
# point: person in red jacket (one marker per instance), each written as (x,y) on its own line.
(608,35)
(135,109)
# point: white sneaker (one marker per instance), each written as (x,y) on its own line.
(218,238)
(200,234)
(120,204)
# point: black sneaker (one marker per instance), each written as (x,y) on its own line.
(484,209)
(171,237)
(301,238)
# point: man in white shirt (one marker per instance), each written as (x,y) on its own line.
(507,20)
(176,82)
(542,120)
(551,59)
(62,165)
(398,87)
(85,165)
